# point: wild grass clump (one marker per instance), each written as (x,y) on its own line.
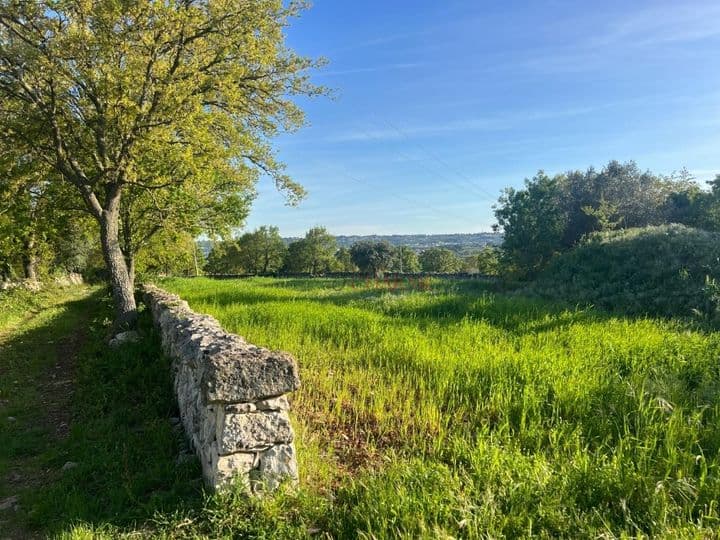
(670,270)
(455,412)
(18,302)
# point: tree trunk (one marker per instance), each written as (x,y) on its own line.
(127,247)
(29,259)
(120,279)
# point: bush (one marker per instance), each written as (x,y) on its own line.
(667,270)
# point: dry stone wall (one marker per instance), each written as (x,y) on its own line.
(231,396)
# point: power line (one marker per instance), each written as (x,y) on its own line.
(468,182)
(442,213)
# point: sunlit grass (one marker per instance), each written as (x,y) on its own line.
(441,408)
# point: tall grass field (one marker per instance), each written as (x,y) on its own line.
(439,409)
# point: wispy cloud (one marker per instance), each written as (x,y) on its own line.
(631,36)
(673,22)
(490,123)
(372,69)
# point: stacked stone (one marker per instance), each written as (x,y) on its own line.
(230,395)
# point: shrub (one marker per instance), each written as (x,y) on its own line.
(665,270)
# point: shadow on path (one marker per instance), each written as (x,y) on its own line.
(115,459)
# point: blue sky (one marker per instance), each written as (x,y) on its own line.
(440,105)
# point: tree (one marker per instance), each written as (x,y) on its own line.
(551,215)
(372,257)
(223,258)
(40,228)
(488,260)
(261,251)
(211,205)
(690,205)
(154,100)
(343,261)
(469,264)
(314,254)
(619,195)
(404,260)
(441,260)
(171,253)
(533,221)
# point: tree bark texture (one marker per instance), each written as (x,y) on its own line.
(120,279)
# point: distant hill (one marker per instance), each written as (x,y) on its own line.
(456,242)
(461,243)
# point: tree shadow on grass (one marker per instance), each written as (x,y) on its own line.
(121,445)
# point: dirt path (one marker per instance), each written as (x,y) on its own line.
(37,376)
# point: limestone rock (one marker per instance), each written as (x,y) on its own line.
(253,430)
(230,395)
(225,468)
(131,336)
(240,408)
(275,404)
(277,464)
(236,374)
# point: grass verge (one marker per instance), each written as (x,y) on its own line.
(434,413)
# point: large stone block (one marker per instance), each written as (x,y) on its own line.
(276,464)
(226,468)
(252,431)
(247,373)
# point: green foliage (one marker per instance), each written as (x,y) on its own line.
(314,254)
(663,270)
(551,215)
(154,114)
(619,195)
(440,260)
(372,257)
(40,232)
(404,260)
(343,261)
(170,253)
(261,251)
(533,222)
(489,261)
(697,208)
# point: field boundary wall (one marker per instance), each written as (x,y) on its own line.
(231,396)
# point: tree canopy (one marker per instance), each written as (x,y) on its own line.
(551,215)
(154,112)
(440,260)
(314,254)
(372,257)
(404,260)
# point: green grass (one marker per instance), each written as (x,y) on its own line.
(454,411)
(19,302)
(434,409)
(118,412)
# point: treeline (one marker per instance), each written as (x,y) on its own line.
(263,251)
(552,215)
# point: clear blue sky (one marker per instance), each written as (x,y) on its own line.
(440,105)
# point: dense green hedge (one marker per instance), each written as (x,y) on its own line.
(667,270)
